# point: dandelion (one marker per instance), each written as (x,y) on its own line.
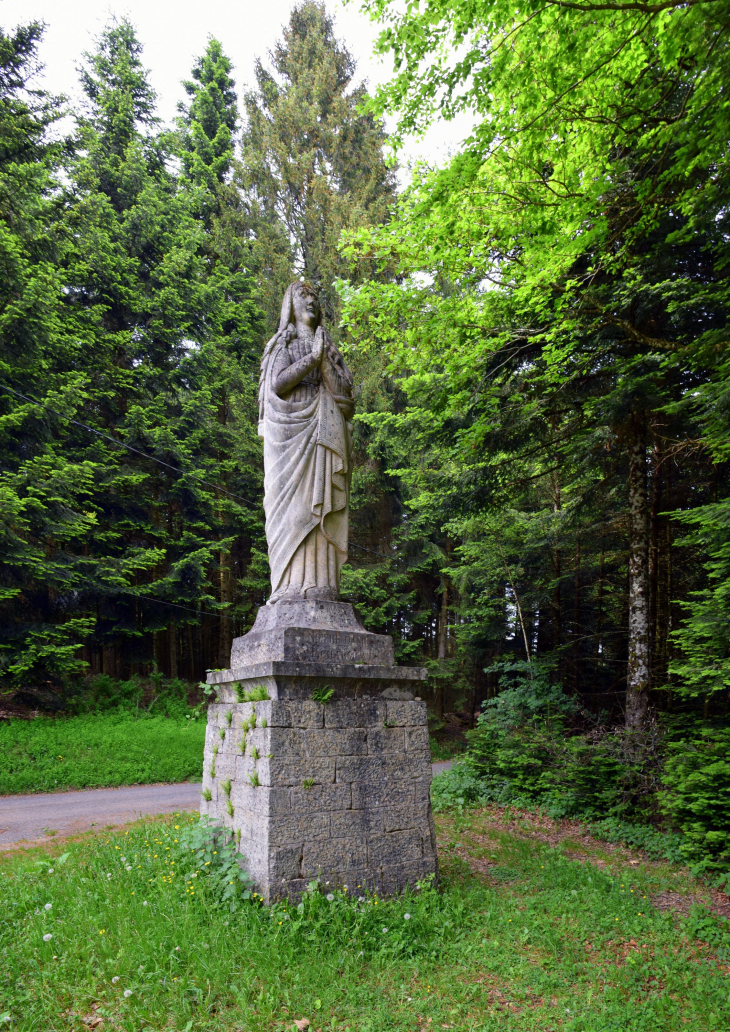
(102,931)
(48,906)
(406,917)
(129,867)
(109,876)
(330,897)
(361,899)
(115,979)
(50,870)
(144,902)
(385,930)
(127,992)
(47,937)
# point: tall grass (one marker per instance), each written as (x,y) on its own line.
(99,750)
(128,932)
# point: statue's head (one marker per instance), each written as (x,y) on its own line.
(300,307)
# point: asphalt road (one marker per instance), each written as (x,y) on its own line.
(56,815)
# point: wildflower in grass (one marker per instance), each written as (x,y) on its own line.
(330,897)
(115,979)
(406,917)
(129,867)
(48,906)
(127,992)
(47,937)
(361,899)
(102,931)
(385,930)
(50,870)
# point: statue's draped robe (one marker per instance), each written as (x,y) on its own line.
(307,455)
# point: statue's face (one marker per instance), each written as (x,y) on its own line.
(306,308)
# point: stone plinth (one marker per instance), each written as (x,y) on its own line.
(337,791)
(295,647)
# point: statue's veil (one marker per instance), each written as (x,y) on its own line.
(286,332)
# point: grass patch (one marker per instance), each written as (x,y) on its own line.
(521,937)
(98,750)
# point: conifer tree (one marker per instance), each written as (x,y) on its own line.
(312,162)
(229,351)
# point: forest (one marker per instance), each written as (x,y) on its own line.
(538,329)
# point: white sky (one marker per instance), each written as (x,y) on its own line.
(175,33)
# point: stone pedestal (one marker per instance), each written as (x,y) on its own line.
(337,791)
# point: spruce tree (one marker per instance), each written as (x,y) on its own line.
(228,357)
(312,163)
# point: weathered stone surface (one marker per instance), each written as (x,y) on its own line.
(355,713)
(294,713)
(336,856)
(337,742)
(310,631)
(363,820)
(407,713)
(394,847)
(347,823)
(298,827)
(382,793)
(321,799)
(385,740)
(287,680)
(282,771)
(417,739)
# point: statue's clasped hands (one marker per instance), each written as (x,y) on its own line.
(318,346)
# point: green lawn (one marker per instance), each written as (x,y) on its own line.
(524,935)
(93,751)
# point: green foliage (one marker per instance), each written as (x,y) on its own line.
(658,845)
(129,453)
(459,786)
(98,750)
(696,796)
(323,694)
(207,853)
(170,934)
(257,694)
(254,779)
(312,160)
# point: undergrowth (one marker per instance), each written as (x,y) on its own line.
(96,750)
(150,927)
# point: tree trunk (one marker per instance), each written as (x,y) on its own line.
(172,641)
(599,606)
(225,636)
(576,615)
(637,677)
(444,623)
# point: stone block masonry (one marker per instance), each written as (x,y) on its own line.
(338,791)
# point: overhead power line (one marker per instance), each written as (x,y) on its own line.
(129,447)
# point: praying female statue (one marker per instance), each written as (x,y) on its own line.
(305,407)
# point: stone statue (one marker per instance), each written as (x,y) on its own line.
(305,407)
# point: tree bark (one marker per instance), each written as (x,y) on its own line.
(637,675)
(444,622)
(172,641)
(576,615)
(225,636)
(599,605)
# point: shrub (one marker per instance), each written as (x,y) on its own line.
(696,795)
